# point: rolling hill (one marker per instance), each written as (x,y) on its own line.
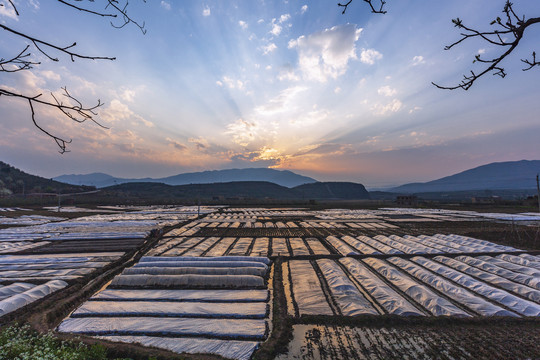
(510,175)
(239,190)
(15,181)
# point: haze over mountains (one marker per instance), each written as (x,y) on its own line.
(281,177)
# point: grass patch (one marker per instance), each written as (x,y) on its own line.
(21,342)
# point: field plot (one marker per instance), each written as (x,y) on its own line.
(217,305)
(415,287)
(414,342)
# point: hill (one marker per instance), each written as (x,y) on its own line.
(237,190)
(281,177)
(15,181)
(333,190)
(510,175)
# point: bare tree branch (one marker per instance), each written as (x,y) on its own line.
(513,26)
(73,109)
(77,112)
(370,3)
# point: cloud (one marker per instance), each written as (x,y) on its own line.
(369,56)
(128,95)
(284,17)
(119,112)
(8,11)
(176,144)
(303,9)
(282,102)
(392,107)
(206,11)
(242,132)
(418,60)
(415,109)
(200,143)
(165,5)
(276,28)
(386,91)
(50,75)
(231,83)
(325,54)
(269,48)
(243,24)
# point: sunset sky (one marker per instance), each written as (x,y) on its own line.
(286,84)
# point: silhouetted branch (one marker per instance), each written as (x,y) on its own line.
(77,112)
(18,62)
(512,26)
(73,109)
(370,3)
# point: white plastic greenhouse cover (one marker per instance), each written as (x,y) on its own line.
(317,247)
(349,299)
(457,293)
(220,328)
(420,293)
(307,290)
(241,247)
(298,247)
(260,259)
(260,247)
(450,244)
(481,245)
(250,310)
(389,299)
(214,281)
(279,247)
(14,289)
(230,349)
(257,271)
(494,269)
(44,273)
(53,266)
(19,300)
(220,248)
(202,247)
(202,264)
(415,245)
(433,244)
(519,305)
(184,295)
(511,266)
(182,247)
(397,245)
(520,289)
(341,246)
(385,249)
(520,261)
(360,246)
(530,257)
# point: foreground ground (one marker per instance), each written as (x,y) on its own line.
(295,335)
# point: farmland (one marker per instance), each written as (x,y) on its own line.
(244,282)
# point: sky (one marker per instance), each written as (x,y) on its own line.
(293,85)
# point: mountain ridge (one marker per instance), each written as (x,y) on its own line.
(508,175)
(285,178)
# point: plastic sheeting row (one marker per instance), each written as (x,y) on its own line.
(422,244)
(231,246)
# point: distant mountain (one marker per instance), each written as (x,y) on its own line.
(15,181)
(238,190)
(510,175)
(281,177)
